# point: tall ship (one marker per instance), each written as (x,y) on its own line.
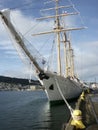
(59,73)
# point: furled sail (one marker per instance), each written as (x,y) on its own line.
(22,44)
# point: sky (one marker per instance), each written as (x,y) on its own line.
(85,42)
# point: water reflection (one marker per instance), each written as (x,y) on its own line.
(30,111)
(51,117)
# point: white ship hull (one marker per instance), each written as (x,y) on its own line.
(70,88)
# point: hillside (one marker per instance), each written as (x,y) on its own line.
(8,83)
(18,81)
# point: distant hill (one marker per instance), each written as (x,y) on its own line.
(18,81)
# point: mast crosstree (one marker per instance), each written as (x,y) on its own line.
(58,29)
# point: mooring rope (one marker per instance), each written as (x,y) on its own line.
(70,108)
(76,114)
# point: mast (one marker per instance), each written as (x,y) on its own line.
(65,54)
(72,63)
(69,56)
(58,27)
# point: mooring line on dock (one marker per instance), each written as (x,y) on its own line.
(76,114)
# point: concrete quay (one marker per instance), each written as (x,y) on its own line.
(88,105)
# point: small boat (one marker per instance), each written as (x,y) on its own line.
(63,75)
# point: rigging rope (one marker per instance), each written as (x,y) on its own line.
(23,5)
(28,42)
(34,26)
(51,57)
(77,11)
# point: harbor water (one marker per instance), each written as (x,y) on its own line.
(30,110)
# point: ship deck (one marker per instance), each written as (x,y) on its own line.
(89,108)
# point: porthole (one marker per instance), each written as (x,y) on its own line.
(51,87)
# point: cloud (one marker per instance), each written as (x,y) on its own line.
(19,71)
(86,60)
(27,23)
(6,45)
